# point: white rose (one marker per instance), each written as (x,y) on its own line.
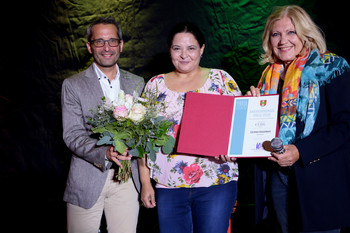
(121,95)
(129,100)
(120,100)
(137,113)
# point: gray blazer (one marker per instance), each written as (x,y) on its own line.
(88,170)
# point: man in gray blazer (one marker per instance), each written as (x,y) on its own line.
(90,188)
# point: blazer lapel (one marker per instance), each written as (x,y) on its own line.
(123,82)
(95,89)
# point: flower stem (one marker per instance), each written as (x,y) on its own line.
(123,174)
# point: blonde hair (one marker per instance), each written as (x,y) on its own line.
(305,28)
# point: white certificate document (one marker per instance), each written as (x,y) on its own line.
(254,122)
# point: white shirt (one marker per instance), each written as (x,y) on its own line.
(110,89)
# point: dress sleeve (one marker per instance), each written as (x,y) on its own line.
(229,85)
(151,87)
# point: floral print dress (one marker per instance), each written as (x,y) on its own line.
(178,170)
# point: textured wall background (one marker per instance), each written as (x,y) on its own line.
(42,42)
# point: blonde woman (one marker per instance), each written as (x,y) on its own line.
(314,170)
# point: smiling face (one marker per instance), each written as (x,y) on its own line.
(286,44)
(105,57)
(185,52)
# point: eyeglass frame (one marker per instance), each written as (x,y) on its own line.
(104,42)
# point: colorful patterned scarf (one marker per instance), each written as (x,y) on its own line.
(300,92)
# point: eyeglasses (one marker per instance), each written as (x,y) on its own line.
(113,42)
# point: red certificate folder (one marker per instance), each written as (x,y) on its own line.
(206,124)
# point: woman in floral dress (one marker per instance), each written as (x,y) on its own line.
(193,193)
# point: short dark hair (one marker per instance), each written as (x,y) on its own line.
(186,27)
(104,20)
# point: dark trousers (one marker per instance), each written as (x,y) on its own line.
(281,193)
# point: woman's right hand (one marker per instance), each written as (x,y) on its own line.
(254,91)
(148,196)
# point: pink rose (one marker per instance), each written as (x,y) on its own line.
(192,173)
(120,112)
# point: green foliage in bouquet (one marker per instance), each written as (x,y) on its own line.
(135,124)
(146,137)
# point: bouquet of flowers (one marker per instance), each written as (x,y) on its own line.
(132,123)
